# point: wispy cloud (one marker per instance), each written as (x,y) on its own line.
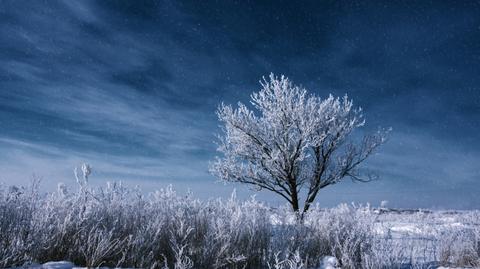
(132,88)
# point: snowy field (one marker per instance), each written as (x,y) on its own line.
(120,227)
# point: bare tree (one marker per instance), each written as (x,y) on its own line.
(296,145)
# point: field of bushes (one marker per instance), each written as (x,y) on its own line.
(115,226)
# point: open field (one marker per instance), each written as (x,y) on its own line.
(120,227)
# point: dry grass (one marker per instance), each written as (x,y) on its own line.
(116,226)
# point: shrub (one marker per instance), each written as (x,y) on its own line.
(121,227)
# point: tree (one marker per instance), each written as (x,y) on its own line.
(296,145)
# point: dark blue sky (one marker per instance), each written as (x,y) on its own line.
(132,86)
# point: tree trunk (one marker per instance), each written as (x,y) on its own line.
(307,206)
(305,209)
(295,205)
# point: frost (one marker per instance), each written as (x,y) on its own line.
(116,226)
(292,141)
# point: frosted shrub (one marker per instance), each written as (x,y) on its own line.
(120,227)
(17,208)
(116,226)
(461,247)
(351,237)
(345,232)
(294,262)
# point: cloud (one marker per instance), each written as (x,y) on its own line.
(132,88)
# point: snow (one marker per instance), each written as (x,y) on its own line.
(441,267)
(52,265)
(56,265)
(329,262)
(412,229)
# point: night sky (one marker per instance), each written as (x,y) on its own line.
(131,87)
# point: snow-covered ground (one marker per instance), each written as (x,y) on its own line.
(53,265)
(327,263)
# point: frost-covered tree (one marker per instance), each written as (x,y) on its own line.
(295,145)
